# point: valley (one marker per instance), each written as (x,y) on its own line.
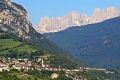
(95,44)
(72,47)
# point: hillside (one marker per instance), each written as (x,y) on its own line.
(19,36)
(95,44)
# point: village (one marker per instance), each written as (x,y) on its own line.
(41,64)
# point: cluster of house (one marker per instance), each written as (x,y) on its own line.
(25,64)
(40,64)
(8,64)
(4,67)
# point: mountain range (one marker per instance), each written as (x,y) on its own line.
(47,24)
(96,44)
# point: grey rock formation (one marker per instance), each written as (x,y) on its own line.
(47,24)
(13,18)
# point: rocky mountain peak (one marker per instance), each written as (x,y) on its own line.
(108,11)
(73,18)
(112,9)
(13,18)
(5,0)
(103,14)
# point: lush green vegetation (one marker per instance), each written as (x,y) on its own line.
(46,75)
(14,47)
(99,75)
(8,43)
(31,75)
(26,48)
(11,46)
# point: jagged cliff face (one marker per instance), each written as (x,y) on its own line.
(47,24)
(103,14)
(60,23)
(13,18)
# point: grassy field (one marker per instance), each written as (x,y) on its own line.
(26,48)
(10,44)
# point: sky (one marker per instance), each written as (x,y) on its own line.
(53,8)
